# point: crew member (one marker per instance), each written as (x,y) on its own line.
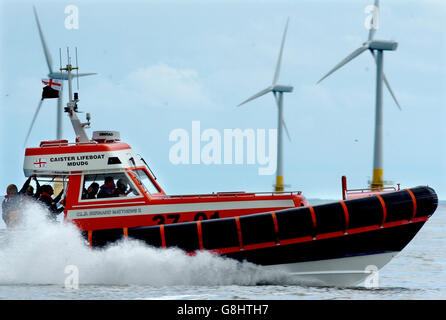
(13,201)
(91,192)
(121,190)
(29,192)
(107,189)
(46,198)
(10,205)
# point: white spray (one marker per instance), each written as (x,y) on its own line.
(38,252)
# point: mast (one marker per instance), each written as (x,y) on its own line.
(279,187)
(378,181)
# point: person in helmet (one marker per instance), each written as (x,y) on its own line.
(46,198)
(10,204)
(91,192)
(13,200)
(29,192)
(108,188)
(121,188)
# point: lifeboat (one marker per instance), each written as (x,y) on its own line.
(333,244)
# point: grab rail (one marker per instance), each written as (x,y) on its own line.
(346,191)
(230,194)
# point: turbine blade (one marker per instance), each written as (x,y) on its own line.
(84,74)
(32,122)
(371,33)
(283,121)
(279,60)
(372,30)
(42,39)
(64,76)
(350,57)
(259,94)
(386,82)
(391,91)
(286,130)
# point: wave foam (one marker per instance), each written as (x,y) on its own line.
(38,252)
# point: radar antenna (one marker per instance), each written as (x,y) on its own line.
(71,108)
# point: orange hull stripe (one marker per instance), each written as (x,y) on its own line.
(90,238)
(200,235)
(383,204)
(276,226)
(414,201)
(313,215)
(239,232)
(347,219)
(163,237)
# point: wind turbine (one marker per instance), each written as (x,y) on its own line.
(278,91)
(52,75)
(376,48)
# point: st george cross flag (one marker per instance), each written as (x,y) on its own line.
(53,83)
(51,89)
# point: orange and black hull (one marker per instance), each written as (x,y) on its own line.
(371,225)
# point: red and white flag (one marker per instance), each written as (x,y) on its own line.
(53,83)
(40,163)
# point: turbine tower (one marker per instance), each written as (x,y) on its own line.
(376,48)
(278,91)
(52,75)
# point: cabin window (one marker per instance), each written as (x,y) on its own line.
(113,160)
(110,185)
(145,181)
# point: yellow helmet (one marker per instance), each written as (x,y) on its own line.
(12,189)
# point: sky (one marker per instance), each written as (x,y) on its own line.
(163,65)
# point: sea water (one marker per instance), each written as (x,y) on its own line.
(46,260)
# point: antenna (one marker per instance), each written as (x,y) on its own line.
(77,71)
(71,109)
(60,58)
(69,68)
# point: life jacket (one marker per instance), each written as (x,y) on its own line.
(45,195)
(46,199)
(11,208)
(106,190)
(11,202)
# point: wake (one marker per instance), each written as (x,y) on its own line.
(39,251)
